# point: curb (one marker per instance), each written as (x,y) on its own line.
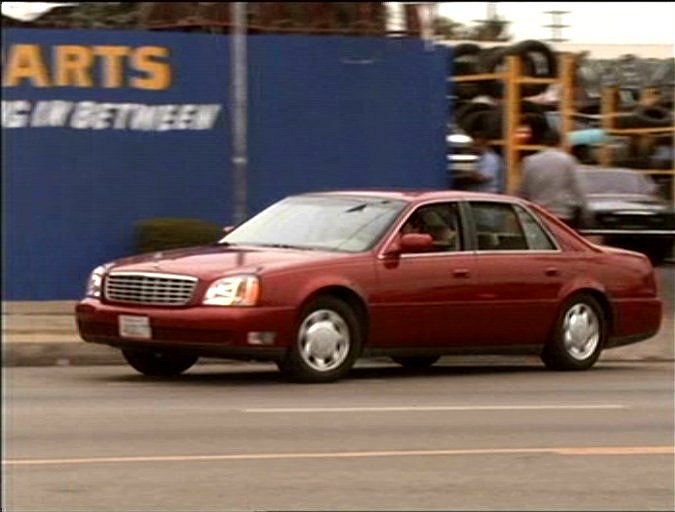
(60,353)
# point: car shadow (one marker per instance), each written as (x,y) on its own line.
(267,374)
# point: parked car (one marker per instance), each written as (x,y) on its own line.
(626,209)
(317,280)
(461,158)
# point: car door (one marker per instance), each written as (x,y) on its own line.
(424,299)
(519,274)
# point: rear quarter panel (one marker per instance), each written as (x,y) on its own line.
(625,278)
(630,286)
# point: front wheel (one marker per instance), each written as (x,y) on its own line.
(158,364)
(579,336)
(327,343)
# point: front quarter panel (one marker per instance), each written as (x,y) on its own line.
(293,287)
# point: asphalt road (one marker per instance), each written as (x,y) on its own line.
(485,436)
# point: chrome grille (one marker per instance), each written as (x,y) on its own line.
(149,288)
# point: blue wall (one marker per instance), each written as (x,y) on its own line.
(325,112)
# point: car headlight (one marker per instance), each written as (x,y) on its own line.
(233,291)
(95,282)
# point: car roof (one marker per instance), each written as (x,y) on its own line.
(414,195)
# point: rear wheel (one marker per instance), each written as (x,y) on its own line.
(416,363)
(158,364)
(327,343)
(579,337)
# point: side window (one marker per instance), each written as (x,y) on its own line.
(441,221)
(497,227)
(537,238)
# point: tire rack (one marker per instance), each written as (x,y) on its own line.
(608,106)
(513,78)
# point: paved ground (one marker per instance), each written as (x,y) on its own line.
(451,437)
(45,334)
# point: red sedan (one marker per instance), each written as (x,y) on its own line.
(317,280)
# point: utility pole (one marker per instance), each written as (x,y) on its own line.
(490,13)
(491,18)
(556,26)
(239,110)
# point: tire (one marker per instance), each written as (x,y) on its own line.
(580,334)
(653,117)
(476,122)
(328,341)
(416,363)
(589,77)
(539,61)
(470,107)
(490,61)
(464,58)
(158,364)
(464,61)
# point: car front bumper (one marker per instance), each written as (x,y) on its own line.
(204,330)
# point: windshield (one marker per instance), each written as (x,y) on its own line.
(333,223)
(613,183)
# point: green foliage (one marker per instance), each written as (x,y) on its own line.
(122,15)
(161,234)
(447,28)
(486,30)
(491,30)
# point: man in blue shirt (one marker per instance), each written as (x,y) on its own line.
(489,174)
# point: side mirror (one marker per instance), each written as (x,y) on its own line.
(412,243)
(228,229)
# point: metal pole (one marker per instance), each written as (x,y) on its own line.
(566,105)
(512,108)
(239,116)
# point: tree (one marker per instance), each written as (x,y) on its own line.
(490,30)
(448,28)
(494,29)
(85,15)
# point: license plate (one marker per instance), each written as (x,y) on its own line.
(134,327)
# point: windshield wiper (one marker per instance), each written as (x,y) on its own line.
(357,208)
(284,246)
(362,206)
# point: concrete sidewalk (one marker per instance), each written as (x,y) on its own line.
(45,334)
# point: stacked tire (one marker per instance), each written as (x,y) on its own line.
(476,103)
(473,116)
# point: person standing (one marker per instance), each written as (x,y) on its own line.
(550,180)
(489,173)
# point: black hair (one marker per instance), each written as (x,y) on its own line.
(480,136)
(551,138)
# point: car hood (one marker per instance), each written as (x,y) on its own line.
(625,203)
(210,262)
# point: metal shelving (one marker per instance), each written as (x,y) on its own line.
(513,79)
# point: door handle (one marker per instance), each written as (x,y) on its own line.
(552,271)
(460,273)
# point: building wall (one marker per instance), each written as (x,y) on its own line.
(102,129)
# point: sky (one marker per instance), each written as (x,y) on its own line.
(622,23)
(589,22)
